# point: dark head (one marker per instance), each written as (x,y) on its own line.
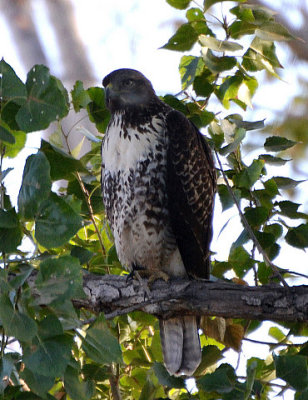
(127,88)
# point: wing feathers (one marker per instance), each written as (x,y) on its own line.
(191,187)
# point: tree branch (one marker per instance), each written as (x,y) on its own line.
(114,296)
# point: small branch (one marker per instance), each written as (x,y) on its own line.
(91,212)
(87,196)
(114,384)
(272,343)
(248,228)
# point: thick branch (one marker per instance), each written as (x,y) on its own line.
(114,296)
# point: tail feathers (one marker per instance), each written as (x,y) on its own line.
(180,345)
(171,336)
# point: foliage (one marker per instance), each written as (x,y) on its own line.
(49,349)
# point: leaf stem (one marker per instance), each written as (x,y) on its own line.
(91,212)
(87,199)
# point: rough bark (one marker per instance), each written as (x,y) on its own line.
(114,296)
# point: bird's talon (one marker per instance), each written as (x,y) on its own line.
(158,275)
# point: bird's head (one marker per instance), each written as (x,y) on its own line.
(127,88)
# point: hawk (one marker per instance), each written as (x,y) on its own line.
(158,184)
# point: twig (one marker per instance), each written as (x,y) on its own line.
(248,228)
(114,384)
(91,212)
(272,343)
(87,199)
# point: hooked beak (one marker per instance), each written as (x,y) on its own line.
(110,93)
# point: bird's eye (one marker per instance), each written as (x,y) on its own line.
(127,83)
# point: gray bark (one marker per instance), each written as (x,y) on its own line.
(114,296)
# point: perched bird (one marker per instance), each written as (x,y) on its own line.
(158,183)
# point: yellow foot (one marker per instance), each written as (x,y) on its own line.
(158,275)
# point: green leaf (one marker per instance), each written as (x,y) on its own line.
(240,28)
(49,327)
(238,137)
(80,96)
(247,125)
(16,324)
(244,14)
(101,346)
(56,222)
(8,219)
(10,231)
(165,379)
(62,165)
(271,188)
(58,280)
(289,208)
(38,383)
(251,375)
(175,103)
(50,357)
(6,136)
(6,369)
(274,32)
(228,89)
(179,4)
(240,260)
(96,197)
(269,159)
(189,67)
(219,45)
(253,13)
(46,101)
(278,143)
(261,55)
(293,370)
(97,110)
(203,83)
(36,185)
(208,3)
(221,381)
(246,90)
(82,254)
(217,64)
(276,333)
(298,237)
(264,273)
(77,389)
(225,197)
(286,183)
(268,243)
(195,14)
(148,391)
(210,356)
(274,229)
(249,176)
(20,278)
(256,216)
(13,149)
(11,87)
(184,38)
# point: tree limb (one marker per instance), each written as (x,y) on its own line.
(114,296)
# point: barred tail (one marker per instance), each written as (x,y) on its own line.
(180,345)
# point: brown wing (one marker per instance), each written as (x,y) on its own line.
(191,182)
